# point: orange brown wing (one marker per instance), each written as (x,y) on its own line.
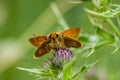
(43,49)
(36,41)
(70,42)
(72,32)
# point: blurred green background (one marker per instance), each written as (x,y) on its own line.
(20,19)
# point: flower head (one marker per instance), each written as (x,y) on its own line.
(60,57)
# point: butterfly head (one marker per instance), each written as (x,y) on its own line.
(55,40)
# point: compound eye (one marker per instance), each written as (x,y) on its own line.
(50,36)
(57,35)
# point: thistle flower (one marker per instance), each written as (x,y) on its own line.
(58,67)
(60,57)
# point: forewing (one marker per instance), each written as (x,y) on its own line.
(36,41)
(70,42)
(72,32)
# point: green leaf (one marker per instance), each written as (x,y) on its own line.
(40,73)
(67,69)
(80,72)
(108,14)
(101,43)
(111,13)
(105,35)
(36,71)
(102,5)
(91,51)
(83,70)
